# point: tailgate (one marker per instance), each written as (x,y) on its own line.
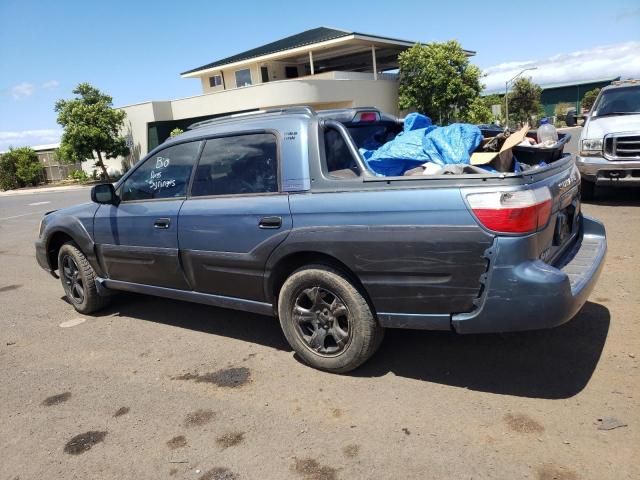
(565,221)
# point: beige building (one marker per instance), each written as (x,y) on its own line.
(322,67)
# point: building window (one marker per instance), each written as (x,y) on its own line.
(215,81)
(264,72)
(243,78)
(291,72)
(239,165)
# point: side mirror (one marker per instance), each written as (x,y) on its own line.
(104,193)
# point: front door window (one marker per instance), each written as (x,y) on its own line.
(164,175)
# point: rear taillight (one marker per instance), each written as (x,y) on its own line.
(522,211)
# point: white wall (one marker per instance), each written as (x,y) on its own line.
(319,93)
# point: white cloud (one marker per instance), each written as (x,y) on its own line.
(51,84)
(22,138)
(21,90)
(595,63)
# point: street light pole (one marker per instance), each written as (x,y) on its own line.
(506,92)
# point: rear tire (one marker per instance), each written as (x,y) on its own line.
(78,280)
(327,320)
(587,190)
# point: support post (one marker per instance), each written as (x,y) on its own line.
(313,72)
(375,66)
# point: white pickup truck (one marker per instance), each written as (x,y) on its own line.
(610,141)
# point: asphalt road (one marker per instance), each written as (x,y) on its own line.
(573,145)
(153,388)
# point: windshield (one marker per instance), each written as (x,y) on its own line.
(618,101)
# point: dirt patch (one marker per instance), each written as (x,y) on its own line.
(230,439)
(56,399)
(351,451)
(177,442)
(336,413)
(84,442)
(173,471)
(549,471)
(121,411)
(602,299)
(312,470)
(406,431)
(521,423)
(8,288)
(227,377)
(219,473)
(198,418)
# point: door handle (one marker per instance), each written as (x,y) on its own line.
(162,223)
(270,222)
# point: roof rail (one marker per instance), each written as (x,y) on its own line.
(211,121)
(627,81)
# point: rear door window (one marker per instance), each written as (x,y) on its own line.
(239,165)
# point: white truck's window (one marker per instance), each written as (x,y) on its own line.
(237,165)
(164,175)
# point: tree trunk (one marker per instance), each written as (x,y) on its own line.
(100,163)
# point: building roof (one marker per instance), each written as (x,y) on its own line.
(49,146)
(549,86)
(308,37)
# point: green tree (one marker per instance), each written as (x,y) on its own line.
(438,80)
(176,131)
(91,126)
(478,112)
(589,98)
(524,100)
(20,167)
(65,154)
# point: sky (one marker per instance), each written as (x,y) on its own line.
(135,50)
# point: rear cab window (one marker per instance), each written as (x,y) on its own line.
(339,162)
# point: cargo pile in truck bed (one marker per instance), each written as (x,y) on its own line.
(422,148)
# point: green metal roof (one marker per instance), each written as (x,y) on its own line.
(308,37)
(550,86)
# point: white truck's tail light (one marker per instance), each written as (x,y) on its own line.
(523,211)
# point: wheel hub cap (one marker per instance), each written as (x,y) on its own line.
(322,321)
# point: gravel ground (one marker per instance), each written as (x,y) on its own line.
(153,388)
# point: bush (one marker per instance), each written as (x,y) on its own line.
(20,168)
(8,178)
(79,176)
(589,99)
(562,108)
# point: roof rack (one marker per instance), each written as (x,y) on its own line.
(291,110)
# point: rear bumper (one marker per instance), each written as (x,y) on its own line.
(533,295)
(609,172)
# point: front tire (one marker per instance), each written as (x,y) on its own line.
(78,280)
(327,320)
